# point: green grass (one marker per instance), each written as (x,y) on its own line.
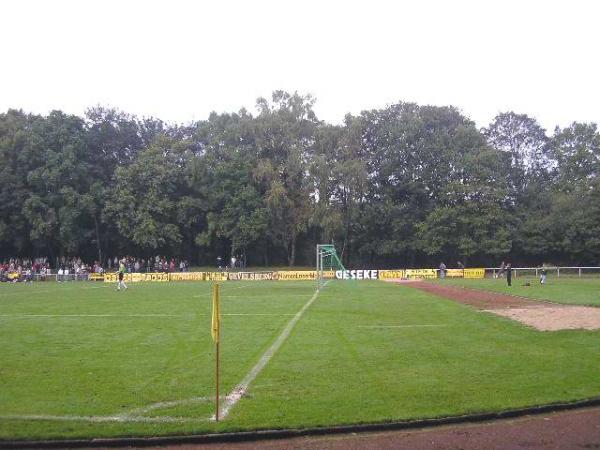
(567,290)
(333,369)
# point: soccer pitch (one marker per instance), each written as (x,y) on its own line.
(81,360)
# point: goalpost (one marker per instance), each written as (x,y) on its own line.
(327,260)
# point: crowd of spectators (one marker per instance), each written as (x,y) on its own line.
(74,268)
(151,264)
(23,269)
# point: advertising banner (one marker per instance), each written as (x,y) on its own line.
(286,275)
(421,273)
(356,274)
(215,276)
(454,273)
(251,276)
(474,273)
(187,276)
(136,277)
(391,274)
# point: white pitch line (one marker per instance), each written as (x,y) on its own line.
(257,314)
(118,316)
(45,291)
(238,392)
(400,326)
(34,316)
(263,296)
(59,418)
(166,404)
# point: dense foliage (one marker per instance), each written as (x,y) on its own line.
(407,185)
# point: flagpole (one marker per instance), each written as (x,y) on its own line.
(217,377)
(216,332)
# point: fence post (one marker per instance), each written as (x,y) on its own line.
(580,272)
(558,272)
(536,272)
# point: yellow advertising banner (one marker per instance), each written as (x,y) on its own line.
(391,274)
(110,277)
(474,273)
(298,275)
(136,277)
(187,276)
(96,277)
(215,276)
(455,273)
(250,276)
(421,273)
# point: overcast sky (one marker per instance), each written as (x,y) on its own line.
(180,60)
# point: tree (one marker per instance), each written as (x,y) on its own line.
(576,150)
(58,177)
(285,138)
(143,202)
(521,137)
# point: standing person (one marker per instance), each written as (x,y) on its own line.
(219,262)
(508,270)
(121,283)
(502,269)
(442,270)
(543,276)
(233,260)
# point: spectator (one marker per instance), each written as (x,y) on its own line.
(502,270)
(442,270)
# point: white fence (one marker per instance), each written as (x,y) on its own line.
(557,271)
(60,278)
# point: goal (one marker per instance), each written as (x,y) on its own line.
(327,261)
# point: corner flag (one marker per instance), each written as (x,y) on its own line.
(216,314)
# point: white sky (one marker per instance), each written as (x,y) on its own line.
(180,60)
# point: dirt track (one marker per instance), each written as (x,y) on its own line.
(579,429)
(478,298)
(542,315)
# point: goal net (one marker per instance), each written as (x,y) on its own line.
(327,261)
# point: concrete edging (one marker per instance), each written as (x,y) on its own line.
(247,436)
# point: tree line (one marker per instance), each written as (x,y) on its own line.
(407,185)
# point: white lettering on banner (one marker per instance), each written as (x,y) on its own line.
(356,274)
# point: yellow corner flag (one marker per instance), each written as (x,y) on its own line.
(216,314)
